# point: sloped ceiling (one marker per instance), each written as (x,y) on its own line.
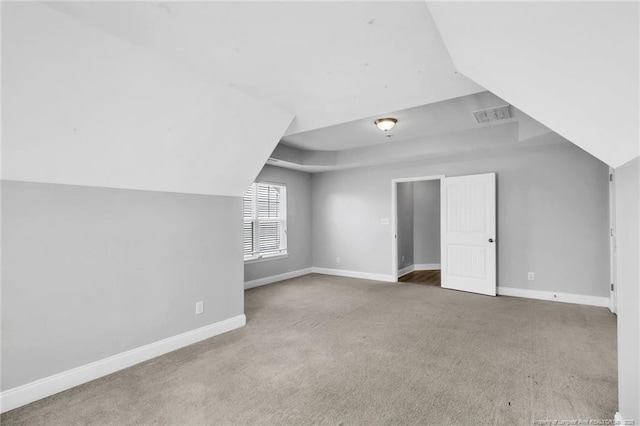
(573,66)
(83,107)
(194,96)
(327,62)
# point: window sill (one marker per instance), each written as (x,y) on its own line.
(266,258)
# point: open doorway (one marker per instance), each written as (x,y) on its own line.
(416,209)
(468,255)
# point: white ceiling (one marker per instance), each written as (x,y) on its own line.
(451,116)
(132,94)
(429,132)
(326,62)
(464,145)
(572,65)
(81,107)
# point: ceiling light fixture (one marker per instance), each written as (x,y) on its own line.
(385,124)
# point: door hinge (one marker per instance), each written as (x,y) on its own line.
(611,286)
(610,177)
(611,232)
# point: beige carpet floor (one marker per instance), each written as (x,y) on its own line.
(329,350)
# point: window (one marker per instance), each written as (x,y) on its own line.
(265,221)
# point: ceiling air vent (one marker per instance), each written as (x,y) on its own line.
(493,114)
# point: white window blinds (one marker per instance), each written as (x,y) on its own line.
(265,221)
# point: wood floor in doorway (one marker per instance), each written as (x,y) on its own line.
(431,277)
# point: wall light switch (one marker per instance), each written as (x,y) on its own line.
(199,307)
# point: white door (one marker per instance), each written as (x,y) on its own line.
(468,233)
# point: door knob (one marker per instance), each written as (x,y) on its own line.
(490,240)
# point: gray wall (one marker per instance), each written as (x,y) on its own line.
(627,183)
(426,222)
(552,215)
(298,225)
(91,272)
(405,224)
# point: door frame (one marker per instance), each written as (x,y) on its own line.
(394,216)
(613,287)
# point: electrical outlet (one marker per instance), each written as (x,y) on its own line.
(337,260)
(199,307)
(384,221)
(531,276)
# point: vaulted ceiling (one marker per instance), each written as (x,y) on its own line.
(194,96)
(327,62)
(82,107)
(571,65)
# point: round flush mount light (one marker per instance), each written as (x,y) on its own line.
(385,124)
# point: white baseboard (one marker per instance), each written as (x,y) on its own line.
(426,266)
(276,278)
(354,274)
(404,271)
(30,392)
(554,296)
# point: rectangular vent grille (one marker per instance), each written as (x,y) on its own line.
(492,114)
